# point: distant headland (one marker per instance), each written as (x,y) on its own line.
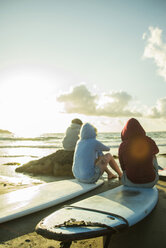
(5,131)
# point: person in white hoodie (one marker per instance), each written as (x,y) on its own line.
(86,168)
(72,135)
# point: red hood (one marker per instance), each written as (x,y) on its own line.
(132,129)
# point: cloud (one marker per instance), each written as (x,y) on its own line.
(156,49)
(79,100)
(114,104)
(158,111)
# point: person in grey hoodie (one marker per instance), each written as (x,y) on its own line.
(72,135)
(89,163)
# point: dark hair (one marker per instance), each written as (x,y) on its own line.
(77,121)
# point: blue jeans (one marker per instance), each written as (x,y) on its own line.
(127,182)
(93,179)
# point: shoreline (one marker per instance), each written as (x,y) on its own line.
(147,233)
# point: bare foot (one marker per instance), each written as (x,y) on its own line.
(112,176)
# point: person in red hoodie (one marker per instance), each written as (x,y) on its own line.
(137,156)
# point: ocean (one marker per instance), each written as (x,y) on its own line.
(15,151)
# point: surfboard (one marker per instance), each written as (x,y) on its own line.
(162,173)
(29,200)
(99,215)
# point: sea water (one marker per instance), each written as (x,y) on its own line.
(15,151)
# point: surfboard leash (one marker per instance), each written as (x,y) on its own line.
(101,212)
(73,223)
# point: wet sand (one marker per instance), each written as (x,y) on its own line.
(150,232)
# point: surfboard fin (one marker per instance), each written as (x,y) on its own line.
(160,168)
(65,244)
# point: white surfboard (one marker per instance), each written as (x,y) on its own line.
(99,215)
(29,200)
(162,173)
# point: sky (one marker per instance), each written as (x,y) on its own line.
(101,61)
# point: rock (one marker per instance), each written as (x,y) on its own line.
(57,164)
(62,170)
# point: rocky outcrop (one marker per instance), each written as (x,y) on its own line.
(57,164)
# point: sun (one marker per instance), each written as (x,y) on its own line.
(28,102)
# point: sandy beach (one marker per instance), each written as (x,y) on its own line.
(150,232)
(80,79)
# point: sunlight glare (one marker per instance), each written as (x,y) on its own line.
(28,102)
